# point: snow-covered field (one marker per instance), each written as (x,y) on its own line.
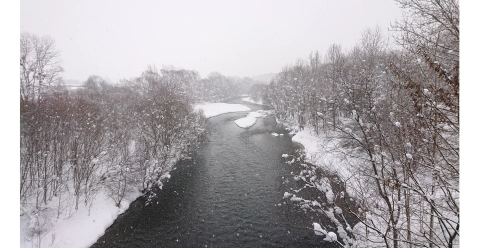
(218,108)
(72,229)
(250,119)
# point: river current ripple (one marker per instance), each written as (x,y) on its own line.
(226,194)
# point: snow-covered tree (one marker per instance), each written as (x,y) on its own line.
(396,115)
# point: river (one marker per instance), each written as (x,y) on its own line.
(227,194)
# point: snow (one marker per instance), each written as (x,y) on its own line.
(331,237)
(166,175)
(337,210)
(250,119)
(250,100)
(80,228)
(287,195)
(330,196)
(322,150)
(318,229)
(313,145)
(295,198)
(447,128)
(218,108)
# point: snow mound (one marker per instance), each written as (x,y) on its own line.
(218,108)
(250,120)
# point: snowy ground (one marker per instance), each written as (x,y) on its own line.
(322,150)
(250,119)
(218,108)
(72,229)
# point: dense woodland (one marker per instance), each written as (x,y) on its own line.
(395,110)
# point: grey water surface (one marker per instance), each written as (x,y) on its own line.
(227,194)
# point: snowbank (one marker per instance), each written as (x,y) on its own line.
(218,108)
(250,100)
(322,151)
(79,228)
(250,119)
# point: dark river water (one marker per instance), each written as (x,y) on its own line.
(226,195)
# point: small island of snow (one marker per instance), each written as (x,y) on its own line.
(250,119)
(218,108)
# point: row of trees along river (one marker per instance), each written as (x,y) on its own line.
(395,111)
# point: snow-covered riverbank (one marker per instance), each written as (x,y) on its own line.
(323,151)
(218,108)
(327,150)
(82,227)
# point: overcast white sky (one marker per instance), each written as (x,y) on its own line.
(119,39)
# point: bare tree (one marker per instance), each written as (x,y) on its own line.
(39,65)
(335,62)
